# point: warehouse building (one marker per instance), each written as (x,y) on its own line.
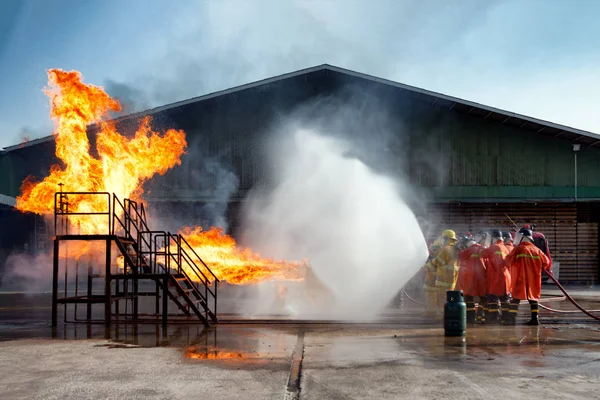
(477,166)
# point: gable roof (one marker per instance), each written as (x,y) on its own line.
(8,200)
(538,126)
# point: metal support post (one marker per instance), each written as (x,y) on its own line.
(165,300)
(107,288)
(89,292)
(55,284)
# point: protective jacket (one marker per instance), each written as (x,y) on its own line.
(498,273)
(526,263)
(474,276)
(462,272)
(430,269)
(447,268)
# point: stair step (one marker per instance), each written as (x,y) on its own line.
(125,240)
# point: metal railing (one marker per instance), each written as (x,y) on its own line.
(63,211)
(156,252)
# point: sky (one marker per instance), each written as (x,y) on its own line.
(535,57)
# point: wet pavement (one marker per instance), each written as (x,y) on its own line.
(400,356)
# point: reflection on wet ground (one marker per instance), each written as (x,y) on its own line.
(396,335)
(241,358)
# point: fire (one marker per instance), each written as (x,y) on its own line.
(121,164)
(237,265)
(218,354)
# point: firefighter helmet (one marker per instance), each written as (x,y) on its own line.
(496,234)
(449,234)
(526,232)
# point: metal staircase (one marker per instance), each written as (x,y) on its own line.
(158,260)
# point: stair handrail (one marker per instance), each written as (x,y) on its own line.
(206,283)
(127,217)
(179,253)
(183,255)
(183,240)
(165,246)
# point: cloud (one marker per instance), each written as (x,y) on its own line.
(510,54)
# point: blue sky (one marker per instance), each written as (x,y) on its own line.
(540,58)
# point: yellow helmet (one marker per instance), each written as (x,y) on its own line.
(449,234)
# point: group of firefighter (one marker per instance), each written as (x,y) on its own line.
(495,270)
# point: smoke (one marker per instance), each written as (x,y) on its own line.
(132,99)
(226,184)
(208,180)
(28,273)
(361,238)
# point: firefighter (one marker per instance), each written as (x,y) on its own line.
(498,277)
(508,241)
(446,266)
(431,303)
(462,245)
(473,280)
(527,263)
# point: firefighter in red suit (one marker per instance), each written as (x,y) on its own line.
(473,280)
(498,277)
(527,263)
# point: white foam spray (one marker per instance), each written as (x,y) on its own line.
(362,240)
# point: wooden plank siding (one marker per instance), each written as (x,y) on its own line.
(573,241)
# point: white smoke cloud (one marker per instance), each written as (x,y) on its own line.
(362,240)
(27,272)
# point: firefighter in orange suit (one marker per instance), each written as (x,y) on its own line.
(498,277)
(508,241)
(429,287)
(473,279)
(527,263)
(446,266)
(460,246)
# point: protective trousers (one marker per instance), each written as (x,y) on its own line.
(482,309)
(493,304)
(514,308)
(431,301)
(431,291)
(505,304)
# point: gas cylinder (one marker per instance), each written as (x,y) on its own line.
(455,314)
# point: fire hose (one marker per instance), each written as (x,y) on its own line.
(411,299)
(562,289)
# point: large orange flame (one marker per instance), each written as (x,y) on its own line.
(237,265)
(121,166)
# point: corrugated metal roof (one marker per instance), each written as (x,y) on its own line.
(453,103)
(7,200)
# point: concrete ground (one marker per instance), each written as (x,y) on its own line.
(402,356)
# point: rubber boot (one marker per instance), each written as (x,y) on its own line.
(470,310)
(493,311)
(470,316)
(481,311)
(534,321)
(512,312)
(505,312)
(431,304)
